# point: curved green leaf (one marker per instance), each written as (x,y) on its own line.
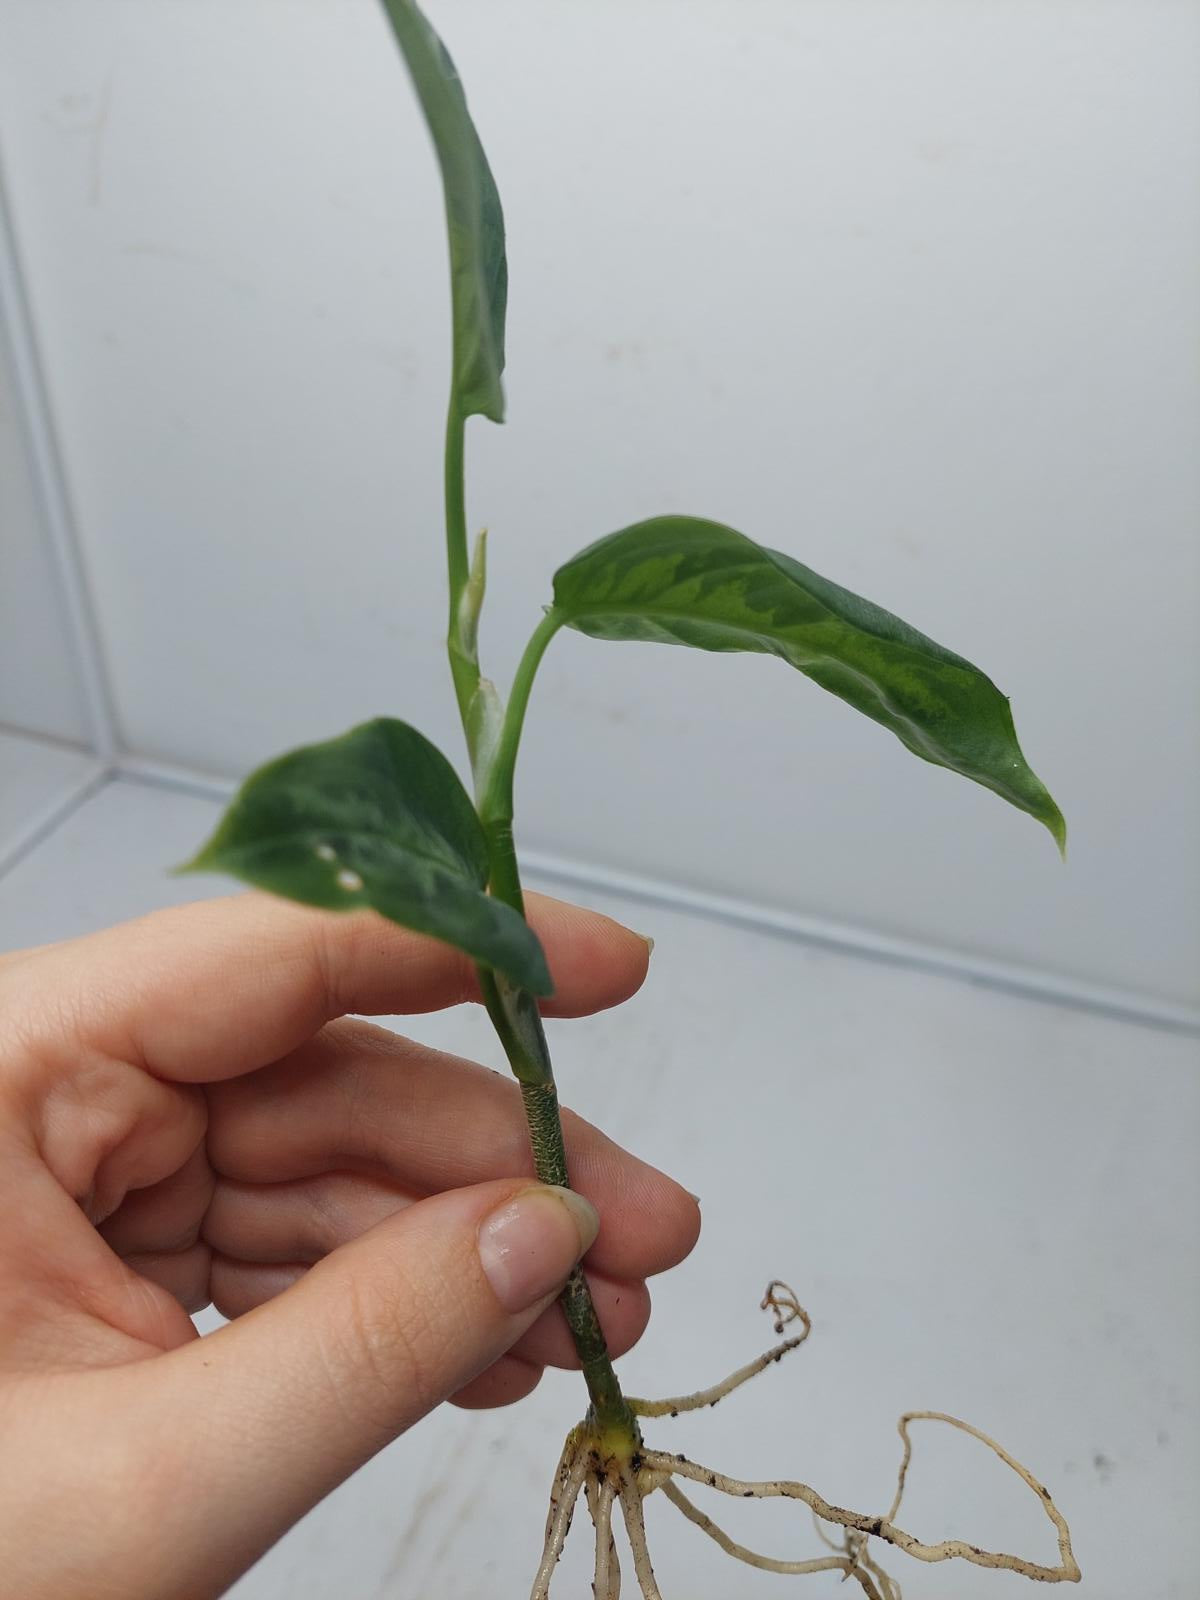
(379,819)
(474,218)
(681,580)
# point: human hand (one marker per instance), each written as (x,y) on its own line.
(187,1114)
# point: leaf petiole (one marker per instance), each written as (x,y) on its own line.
(496,789)
(460,641)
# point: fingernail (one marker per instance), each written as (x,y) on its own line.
(646,940)
(528,1245)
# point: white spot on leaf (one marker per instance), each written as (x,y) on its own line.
(326,852)
(349,880)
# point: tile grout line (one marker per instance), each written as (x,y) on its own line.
(54,815)
(46,741)
(51,491)
(817,932)
(885,949)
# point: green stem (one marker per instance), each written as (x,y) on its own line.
(515,1014)
(550,1163)
(518,1023)
(496,801)
(464,662)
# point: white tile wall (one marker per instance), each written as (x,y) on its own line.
(905,288)
(39,684)
(38,779)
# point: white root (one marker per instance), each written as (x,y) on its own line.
(882,1527)
(888,1587)
(568,1480)
(562,1473)
(631,1475)
(1068,1567)
(709,1397)
(606,1584)
(635,1527)
(835,1563)
(778,1298)
(854,1546)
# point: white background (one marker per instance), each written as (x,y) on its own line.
(906,289)
(39,687)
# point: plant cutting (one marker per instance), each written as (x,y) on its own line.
(378,819)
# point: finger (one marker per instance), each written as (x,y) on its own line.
(271,1412)
(240,1286)
(237,1286)
(623,1310)
(301,1222)
(64,1295)
(164,1217)
(360,1099)
(87,1145)
(223,986)
(506,1381)
(182,1273)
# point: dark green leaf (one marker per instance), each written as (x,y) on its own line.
(474,219)
(377,818)
(681,580)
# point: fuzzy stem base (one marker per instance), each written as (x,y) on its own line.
(609,1408)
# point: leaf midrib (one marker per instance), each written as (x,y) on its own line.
(620,608)
(682,613)
(236,852)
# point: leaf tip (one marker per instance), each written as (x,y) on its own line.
(1060,838)
(196,863)
(1056,825)
(209,856)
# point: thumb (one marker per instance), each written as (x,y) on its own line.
(272,1412)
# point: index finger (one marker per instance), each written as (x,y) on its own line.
(220,987)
